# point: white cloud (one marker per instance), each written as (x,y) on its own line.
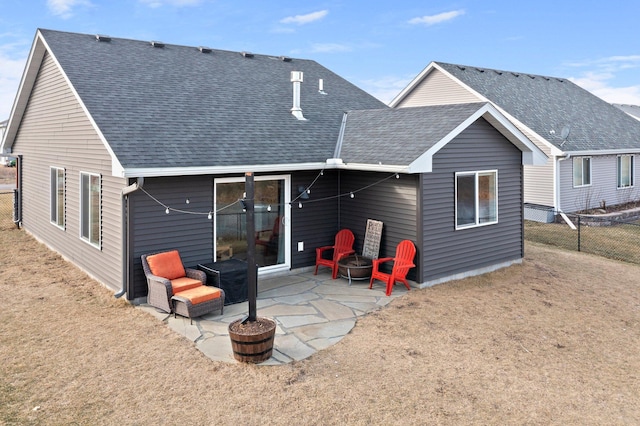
(179,3)
(385,88)
(436,19)
(305,19)
(330,48)
(602,77)
(63,8)
(10,74)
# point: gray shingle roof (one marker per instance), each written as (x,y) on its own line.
(175,106)
(399,136)
(549,103)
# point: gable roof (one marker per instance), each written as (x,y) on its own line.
(405,139)
(547,105)
(176,107)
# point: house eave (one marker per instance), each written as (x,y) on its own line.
(601,152)
(219,170)
(386,168)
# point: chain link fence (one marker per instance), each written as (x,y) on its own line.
(6,209)
(611,236)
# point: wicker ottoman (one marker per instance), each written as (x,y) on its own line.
(198,301)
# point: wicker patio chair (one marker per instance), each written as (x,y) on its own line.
(173,279)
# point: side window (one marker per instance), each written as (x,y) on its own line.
(90,208)
(476,198)
(625,171)
(57,197)
(581,171)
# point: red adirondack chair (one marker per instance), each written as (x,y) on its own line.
(402,262)
(343,246)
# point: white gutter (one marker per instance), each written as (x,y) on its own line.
(218,170)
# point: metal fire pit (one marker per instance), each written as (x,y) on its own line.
(355,267)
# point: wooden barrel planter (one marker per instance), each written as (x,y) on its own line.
(253,341)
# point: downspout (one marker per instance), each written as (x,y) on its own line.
(557,181)
(125,235)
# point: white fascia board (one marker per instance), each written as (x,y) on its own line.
(603,152)
(24,90)
(390,168)
(116,167)
(214,170)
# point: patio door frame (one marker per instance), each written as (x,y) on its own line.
(284,224)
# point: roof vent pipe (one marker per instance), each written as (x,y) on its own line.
(296,79)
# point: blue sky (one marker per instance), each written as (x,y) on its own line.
(378,46)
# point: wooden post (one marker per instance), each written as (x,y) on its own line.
(252,272)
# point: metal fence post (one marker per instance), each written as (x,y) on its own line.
(579,229)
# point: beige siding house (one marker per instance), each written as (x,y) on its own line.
(564,120)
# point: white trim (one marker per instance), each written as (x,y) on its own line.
(82,238)
(476,174)
(573,177)
(64,197)
(632,177)
(220,170)
(285,224)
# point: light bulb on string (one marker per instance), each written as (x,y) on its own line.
(269,208)
(187,201)
(167,210)
(352,195)
(397,176)
(299,205)
(209,216)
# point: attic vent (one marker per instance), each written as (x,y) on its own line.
(157,44)
(515,75)
(285,59)
(101,37)
(204,49)
(560,80)
(247,54)
(462,68)
(479,69)
(531,76)
(498,72)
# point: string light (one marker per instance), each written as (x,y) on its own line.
(269,207)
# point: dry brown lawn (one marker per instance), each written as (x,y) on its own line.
(552,341)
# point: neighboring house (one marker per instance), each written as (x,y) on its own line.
(592,146)
(130,147)
(632,110)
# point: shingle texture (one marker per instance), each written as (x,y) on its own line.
(175,106)
(547,104)
(399,136)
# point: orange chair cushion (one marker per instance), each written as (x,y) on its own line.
(200,294)
(184,283)
(167,265)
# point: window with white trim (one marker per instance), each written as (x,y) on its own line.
(581,171)
(90,208)
(57,197)
(476,198)
(625,171)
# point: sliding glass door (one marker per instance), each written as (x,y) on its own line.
(271,220)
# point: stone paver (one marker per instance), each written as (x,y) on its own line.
(312,312)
